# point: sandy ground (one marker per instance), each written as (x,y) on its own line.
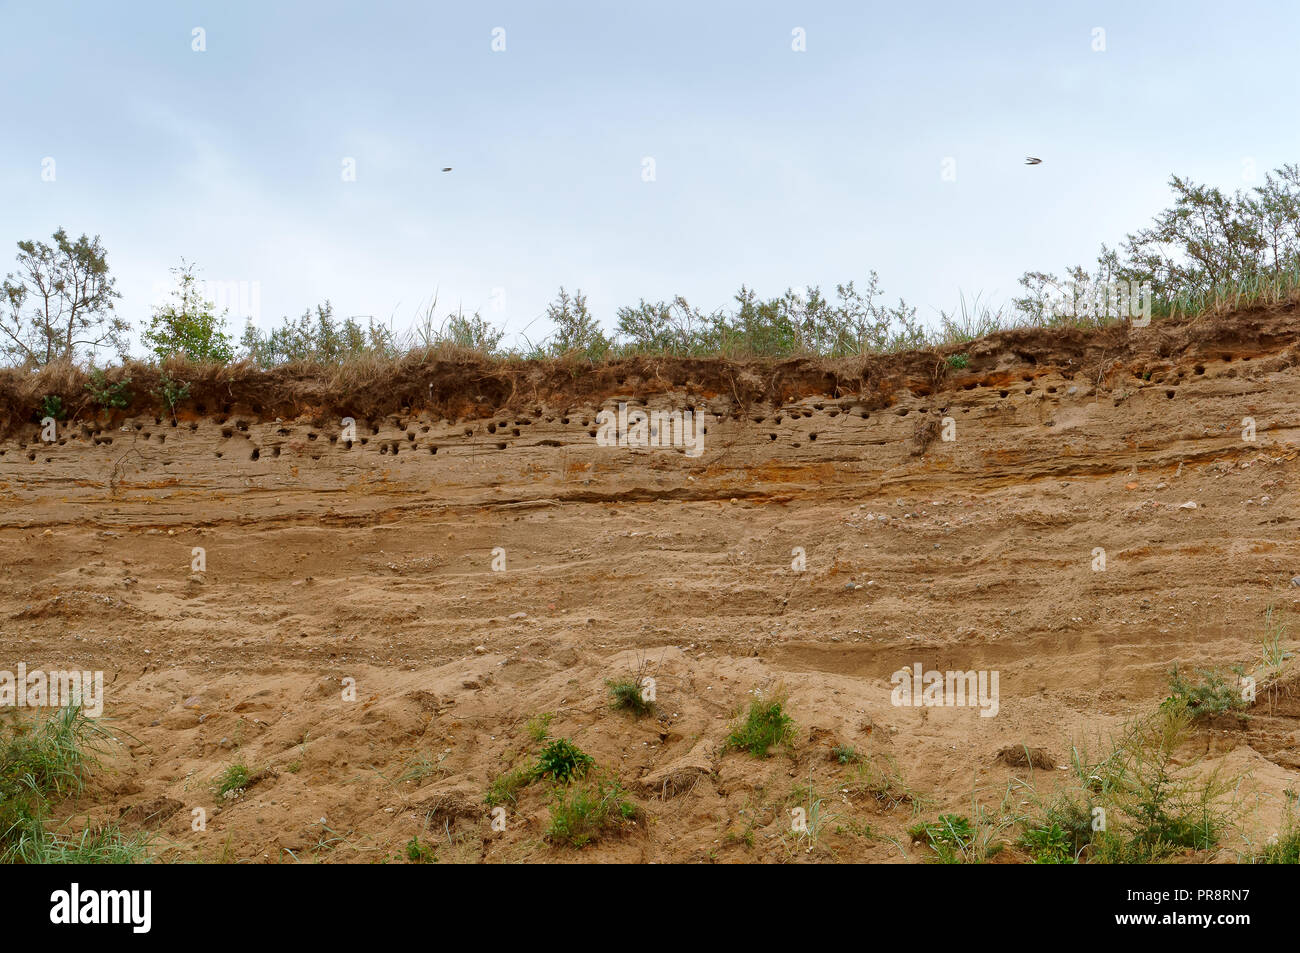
(374,563)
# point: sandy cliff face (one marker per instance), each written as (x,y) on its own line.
(822,543)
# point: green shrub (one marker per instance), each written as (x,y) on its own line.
(171,392)
(110,395)
(563,760)
(1210,695)
(1073,815)
(52,406)
(576,329)
(1146,801)
(1049,845)
(188,326)
(418,853)
(458,330)
(317,338)
(1208,250)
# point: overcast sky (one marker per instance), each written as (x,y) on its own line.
(772,166)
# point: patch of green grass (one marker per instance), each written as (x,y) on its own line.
(808,815)
(233,781)
(50,757)
(846,754)
(1274,654)
(106,844)
(745,837)
(630,695)
(581,813)
(974,322)
(958,362)
(421,767)
(883,783)
(764,727)
(539,726)
(856,828)
(952,836)
(46,760)
(1275,630)
(505,788)
(1285,848)
(977,837)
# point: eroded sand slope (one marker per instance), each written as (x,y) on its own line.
(373,562)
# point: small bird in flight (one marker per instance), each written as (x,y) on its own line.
(448,169)
(1029,161)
